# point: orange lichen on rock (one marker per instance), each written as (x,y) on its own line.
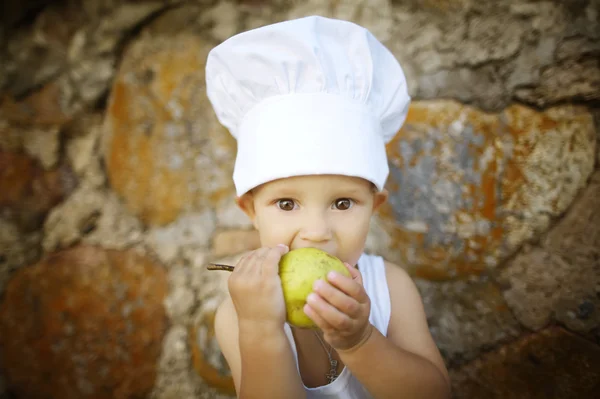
(165,152)
(84,322)
(467,188)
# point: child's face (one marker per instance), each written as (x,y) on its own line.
(329,212)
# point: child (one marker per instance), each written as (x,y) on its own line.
(312,103)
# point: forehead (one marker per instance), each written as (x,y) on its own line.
(322,183)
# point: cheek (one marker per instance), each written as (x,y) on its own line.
(352,233)
(273,229)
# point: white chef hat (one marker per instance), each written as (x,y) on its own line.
(307,96)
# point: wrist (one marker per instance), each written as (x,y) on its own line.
(256,332)
(259,327)
(364,338)
(258,343)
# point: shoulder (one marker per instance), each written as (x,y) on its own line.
(405,297)
(396,274)
(399,282)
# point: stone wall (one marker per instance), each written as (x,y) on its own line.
(115,190)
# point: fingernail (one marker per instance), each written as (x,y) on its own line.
(317,284)
(284,247)
(311,297)
(331,275)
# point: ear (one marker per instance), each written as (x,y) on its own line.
(380,198)
(246,204)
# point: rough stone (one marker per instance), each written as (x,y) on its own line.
(17,249)
(73,57)
(375,15)
(576,236)
(482,85)
(85,322)
(207,358)
(232,242)
(575,47)
(179,303)
(191,341)
(597,122)
(41,143)
(529,63)
(94,217)
(552,363)
(192,231)
(11,139)
(487,54)
(37,53)
(378,240)
(159,117)
(175,379)
(229,215)
(561,281)
(468,188)
(224,17)
(94,49)
(540,283)
(424,39)
(568,80)
(490,37)
(466,318)
(255,13)
(82,149)
(182,299)
(44,107)
(28,192)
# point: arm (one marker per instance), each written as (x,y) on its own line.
(260,357)
(388,371)
(413,364)
(407,362)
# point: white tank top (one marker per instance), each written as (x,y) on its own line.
(346,386)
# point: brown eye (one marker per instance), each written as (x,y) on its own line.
(286,204)
(343,204)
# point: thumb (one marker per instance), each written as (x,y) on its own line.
(283,249)
(354,273)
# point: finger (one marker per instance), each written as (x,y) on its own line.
(240,266)
(318,320)
(241,272)
(337,298)
(272,258)
(354,273)
(329,314)
(256,260)
(349,286)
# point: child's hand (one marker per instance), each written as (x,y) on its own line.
(341,309)
(255,288)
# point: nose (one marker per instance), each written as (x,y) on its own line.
(315,228)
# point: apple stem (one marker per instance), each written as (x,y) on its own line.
(217,266)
